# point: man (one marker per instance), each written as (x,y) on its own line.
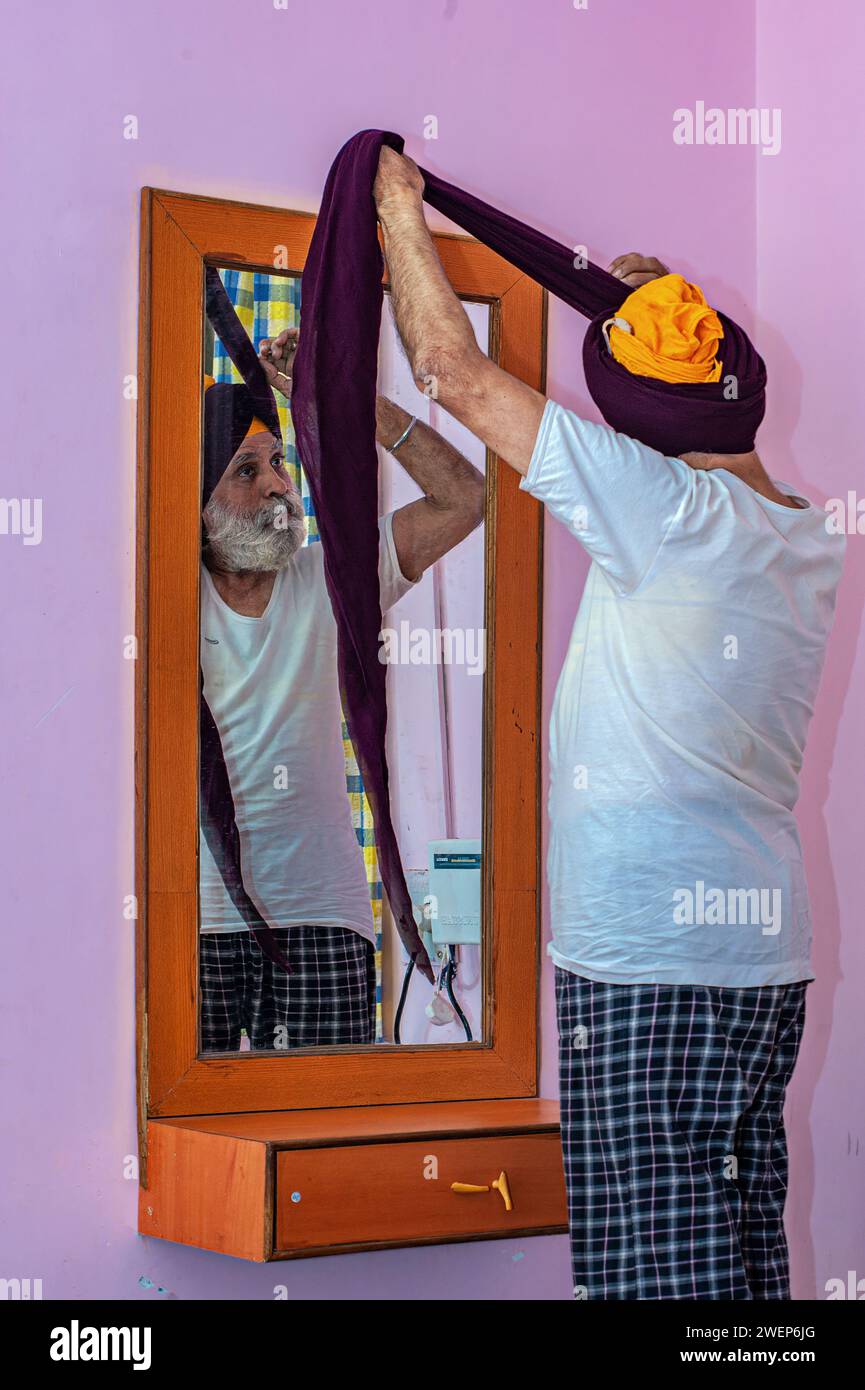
(269,662)
(680,918)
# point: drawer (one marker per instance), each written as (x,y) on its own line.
(365,1195)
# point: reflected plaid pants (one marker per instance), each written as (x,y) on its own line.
(673,1138)
(329,997)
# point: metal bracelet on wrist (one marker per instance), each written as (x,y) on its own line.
(392,448)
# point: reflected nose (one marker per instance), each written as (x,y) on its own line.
(280,485)
(285,493)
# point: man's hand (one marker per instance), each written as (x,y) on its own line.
(398,177)
(636,270)
(277,358)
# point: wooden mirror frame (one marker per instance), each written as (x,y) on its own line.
(179,235)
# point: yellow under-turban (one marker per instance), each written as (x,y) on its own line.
(257,425)
(666,330)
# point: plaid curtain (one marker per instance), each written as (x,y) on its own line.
(266,304)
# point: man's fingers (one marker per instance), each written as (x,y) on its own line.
(633,264)
(629,264)
(615,267)
(277,352)
(286,343)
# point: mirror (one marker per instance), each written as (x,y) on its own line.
(267,642)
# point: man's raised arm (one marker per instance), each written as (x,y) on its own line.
(445,359)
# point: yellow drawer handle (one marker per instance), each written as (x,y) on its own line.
(500,1184)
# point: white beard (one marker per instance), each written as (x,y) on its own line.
(259,541)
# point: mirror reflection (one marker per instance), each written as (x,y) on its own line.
(306,871)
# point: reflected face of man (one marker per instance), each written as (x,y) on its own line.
(254,518)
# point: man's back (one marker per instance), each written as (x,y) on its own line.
(681,715)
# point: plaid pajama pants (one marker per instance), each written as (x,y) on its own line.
(329,997)
(673,1139)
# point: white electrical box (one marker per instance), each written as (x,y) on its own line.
(455,892)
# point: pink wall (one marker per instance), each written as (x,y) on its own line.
(561,116)
(810,301)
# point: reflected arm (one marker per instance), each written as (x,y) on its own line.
(453,501)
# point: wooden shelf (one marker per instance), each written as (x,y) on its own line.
(286,1184)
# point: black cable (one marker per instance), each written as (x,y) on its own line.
(450,972)
(402,998)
